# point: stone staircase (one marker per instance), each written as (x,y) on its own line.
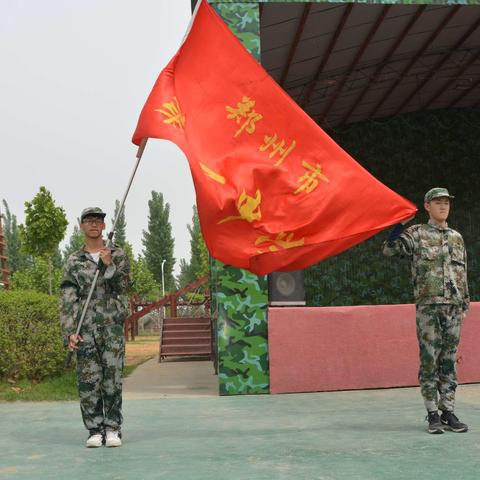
(186,337)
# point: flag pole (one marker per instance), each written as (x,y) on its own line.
(189,27)
(101,267)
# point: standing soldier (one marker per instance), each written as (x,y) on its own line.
(100,346)
(439,270)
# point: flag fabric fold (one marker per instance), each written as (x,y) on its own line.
(274,191)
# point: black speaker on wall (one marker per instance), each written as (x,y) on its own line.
(286,289)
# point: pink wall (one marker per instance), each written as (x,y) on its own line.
(348,348)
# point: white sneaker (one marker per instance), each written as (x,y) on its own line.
(113,439)
(94,441)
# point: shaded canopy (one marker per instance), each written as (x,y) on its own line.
(347,62)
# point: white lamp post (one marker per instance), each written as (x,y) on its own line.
(163,285)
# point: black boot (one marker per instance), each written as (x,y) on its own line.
(452,423)
(434,423)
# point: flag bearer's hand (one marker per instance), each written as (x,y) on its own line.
(73,340)
(106,256)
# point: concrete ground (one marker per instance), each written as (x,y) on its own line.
(177,433)
(153,380)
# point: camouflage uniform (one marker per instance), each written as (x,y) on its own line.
(439,271)
(101,354)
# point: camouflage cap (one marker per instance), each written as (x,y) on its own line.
(436,193)
(92,212)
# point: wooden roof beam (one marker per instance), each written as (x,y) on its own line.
(437,66)
(347,10)
(464,93)
(296,40)
(354,62)
(446,86)
(419,53)
(399,39)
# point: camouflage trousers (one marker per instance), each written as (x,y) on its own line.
(438,333)
(100,360)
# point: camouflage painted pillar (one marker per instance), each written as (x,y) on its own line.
(240,297)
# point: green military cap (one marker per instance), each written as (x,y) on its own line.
(92,212)
(436,193)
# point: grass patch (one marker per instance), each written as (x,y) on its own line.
(144,339)
(128,369)
(64,386)
(60,388)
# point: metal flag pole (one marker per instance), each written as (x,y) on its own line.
(101,267)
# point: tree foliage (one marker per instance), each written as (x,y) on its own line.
(185,276)
(143,282)
(199,256)
(119,236)
(76,242)
(45,225)
(16,257)
(199,260)
(57,258)
(44,229)
(36,277)
(158,241)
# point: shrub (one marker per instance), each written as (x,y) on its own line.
(30,339)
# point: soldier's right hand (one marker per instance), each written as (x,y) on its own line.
(73,340)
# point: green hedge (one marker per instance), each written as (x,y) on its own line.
(410,153)
(30,339)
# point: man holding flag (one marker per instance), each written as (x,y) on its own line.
(100,345)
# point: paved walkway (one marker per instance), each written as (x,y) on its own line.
(358,435)
(153,380)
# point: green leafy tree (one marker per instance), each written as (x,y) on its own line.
(17,259)
(75,243)
(57,258)
(143,281)
(158,241)
(44,229)
(199,257)
(119,237)
(39,276)
(185,276)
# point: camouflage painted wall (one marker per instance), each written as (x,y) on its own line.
(410,153)
(240,297)
(243,20)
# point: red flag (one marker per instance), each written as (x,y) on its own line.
(274,191)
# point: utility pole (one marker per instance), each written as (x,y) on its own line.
(4,283)
(163,286)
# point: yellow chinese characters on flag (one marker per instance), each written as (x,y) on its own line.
(274,191)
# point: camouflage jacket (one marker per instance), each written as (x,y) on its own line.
(438,262)
(106,307)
